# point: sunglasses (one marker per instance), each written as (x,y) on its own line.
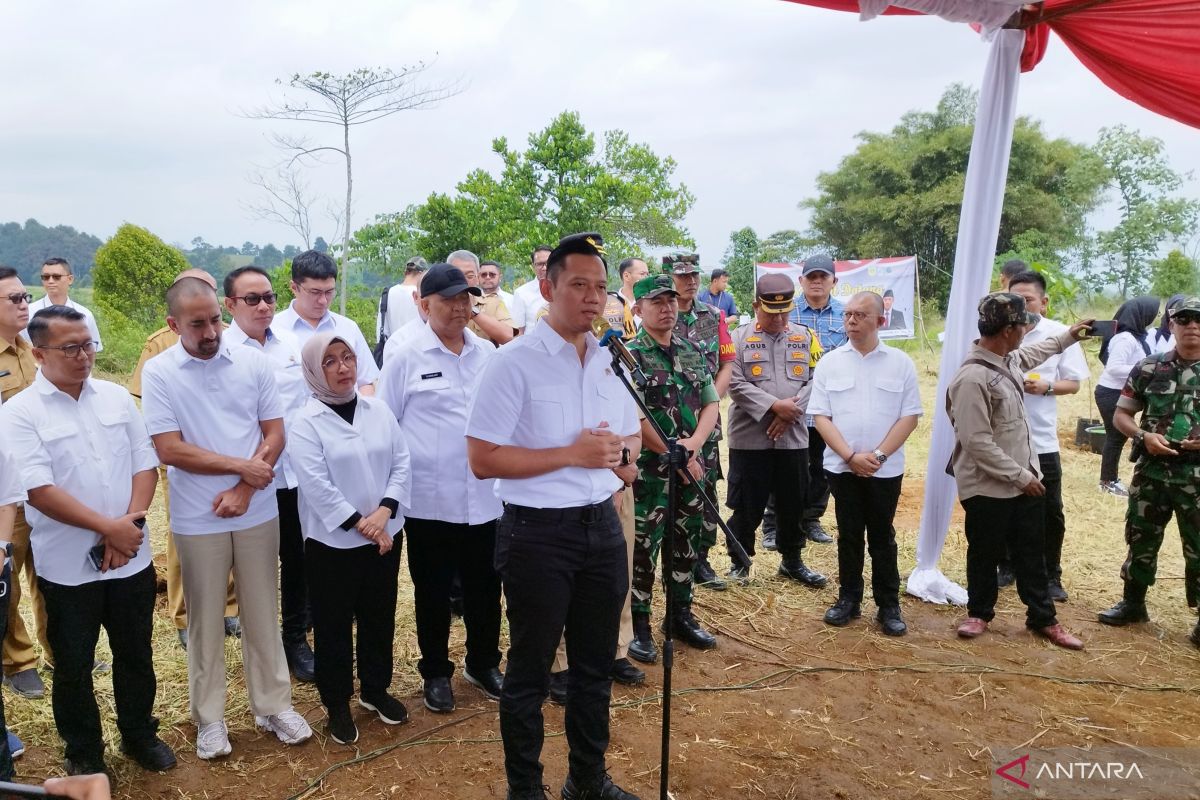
(254,299)
(18,299)
(46,276)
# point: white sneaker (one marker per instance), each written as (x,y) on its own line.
(212,741)
(290,727)
(1114,487)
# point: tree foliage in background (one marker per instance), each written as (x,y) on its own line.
(741,255)
(1136,168)
(900,193)
(563,182)
(1175,274)
(133,271)
(25,247)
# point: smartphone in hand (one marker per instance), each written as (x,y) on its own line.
(1102,328)
(96,554)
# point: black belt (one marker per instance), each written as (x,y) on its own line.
(588,515)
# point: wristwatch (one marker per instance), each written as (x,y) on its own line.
(624,456)
(880,456)
(1139,439)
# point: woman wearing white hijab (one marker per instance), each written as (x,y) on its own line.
(352,466)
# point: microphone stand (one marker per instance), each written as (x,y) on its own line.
(677,458)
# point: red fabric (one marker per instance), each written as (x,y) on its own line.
(1036,39)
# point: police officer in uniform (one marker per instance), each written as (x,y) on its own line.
(1165,387)
(705,327)
(680,396)
(768,440)
(553,423)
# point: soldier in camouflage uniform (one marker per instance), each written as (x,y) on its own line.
(1166,388)
(680,396)
(705,326)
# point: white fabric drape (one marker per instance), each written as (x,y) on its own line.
(990,14)
(979,225)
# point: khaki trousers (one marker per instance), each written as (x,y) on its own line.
(206,559)
(175,603)
(625,636)
(18,652)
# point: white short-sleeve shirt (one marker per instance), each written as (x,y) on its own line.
(288,320)
(401,309)
(429,389)
(527,305)
(216,404)
(11,488)
(534,393)
(864,396)
(1069,365)
(88,317)
(91,449)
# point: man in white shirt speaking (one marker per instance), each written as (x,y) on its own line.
(214,414)
(865,404)
(90,470)
(451,522)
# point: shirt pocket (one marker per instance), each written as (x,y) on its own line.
(63,446)
(889,399)
(547,415)
(756,365)
(115,425)
(840,390)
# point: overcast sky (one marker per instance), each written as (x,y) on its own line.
(126,110)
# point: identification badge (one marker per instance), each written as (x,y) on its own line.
(430,375)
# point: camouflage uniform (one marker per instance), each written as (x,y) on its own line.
(1166,390)
(677,387)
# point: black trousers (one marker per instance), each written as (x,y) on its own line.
(1114,440)
(817,495)
(865,509)
(436,551)
(293,589)
(349,587)
(561,568)
(1050,466)
(74,616)
(754,477)
(6,763)
(991,523)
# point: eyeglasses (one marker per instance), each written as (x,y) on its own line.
(489,274)
(254,299)
(349,360)
(856,315)
(71,350)
(46,276)
(18,299)
(1183,320)
(315,293)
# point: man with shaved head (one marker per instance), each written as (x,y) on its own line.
(162,339)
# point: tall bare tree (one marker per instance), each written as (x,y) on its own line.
(344,102)
(287,201)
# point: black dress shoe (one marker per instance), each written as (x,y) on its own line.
(686,629)
(301,661)
(600,789)
(642,647)
(705,576)
(1125,612)
(1057,593)
(85,766)
(816,533)
(624,672)
(153,755)
(488,681)
(558,687)
(1004,575)
(795,570)
(841,612)
(439,697)
(890,622)
(233,627)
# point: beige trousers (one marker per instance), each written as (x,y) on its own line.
(19,654)
(175,604)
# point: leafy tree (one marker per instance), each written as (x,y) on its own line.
(1137,168)
(320,245)
(269,256)
(25,247)
(386,244)
(900,193)
(133,271)
(1175,274)
(249,249)
(786,246)
(740,257)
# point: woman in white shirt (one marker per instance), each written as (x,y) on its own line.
(1120,354)
(352,467)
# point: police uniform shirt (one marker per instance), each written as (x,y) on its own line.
(1069,365)
(429,389)
(865,395)
(494,307)
(216,404)
(345,468)
(283,351)
(767,368)
(90,448)
(288,320)
(16,358)
(535,394)
(88,318)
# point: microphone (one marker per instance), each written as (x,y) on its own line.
(611,338)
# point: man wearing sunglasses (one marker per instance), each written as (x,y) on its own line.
(17,368)
(56,280)
(251,302)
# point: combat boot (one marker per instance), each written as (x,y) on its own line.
(642,647)
(704,575)
(1131,608)
(686,629)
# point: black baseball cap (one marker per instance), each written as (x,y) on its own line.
(818,263)
(447,281)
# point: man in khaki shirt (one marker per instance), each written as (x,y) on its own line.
(163,339)
(17,369)
(996,467)
(490,318)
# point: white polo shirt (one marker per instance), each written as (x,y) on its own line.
(284,352)
(865,395)
(1069,365)
(11,489)
(534,393)
(343,469)
(429,389)
(401,309)
(288,320)
(216,404)
(88,317)
(91,449)
(528,305)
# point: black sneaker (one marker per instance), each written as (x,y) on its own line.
(601,788)
(301,661)
(390,710)
(625,673)
(768,542)
(153,755)
(739,574)
(1057,593)
(705,576)
(1005,576)
(85,766)
(816,533)
(233,627)
(439,697)
(489,681)
(341,724)
(841,612)
(27,683)
(558,687)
